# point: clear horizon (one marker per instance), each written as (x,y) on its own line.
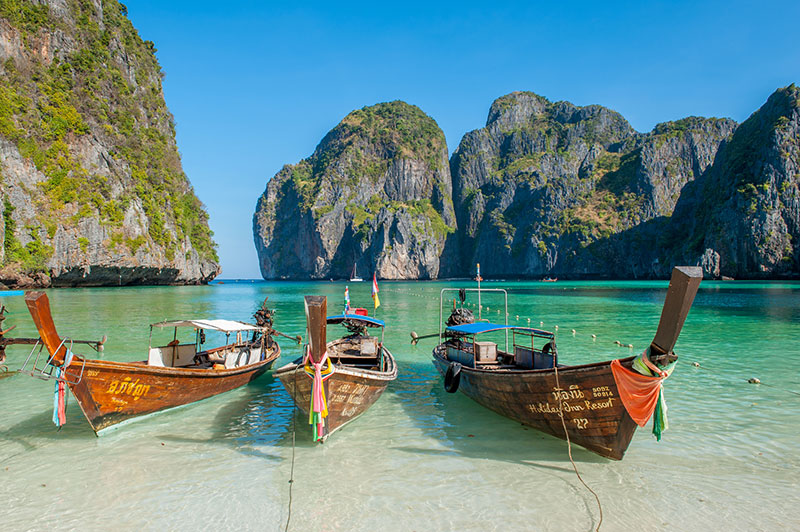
(254,86)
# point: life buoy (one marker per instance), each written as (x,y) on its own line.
(452,377)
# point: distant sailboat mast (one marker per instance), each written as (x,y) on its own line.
(354,278)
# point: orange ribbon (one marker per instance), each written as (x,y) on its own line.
(639,393)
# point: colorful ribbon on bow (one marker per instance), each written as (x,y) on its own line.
(319,406)
(60,392)
(641,391)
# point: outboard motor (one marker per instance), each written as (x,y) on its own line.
(460,316)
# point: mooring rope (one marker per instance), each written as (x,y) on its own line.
(777,387)
(569,450)
(291,473)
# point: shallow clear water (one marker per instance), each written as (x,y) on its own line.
(419,459)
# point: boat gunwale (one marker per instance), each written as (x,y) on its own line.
(209,372)
(523,371)
(388,375)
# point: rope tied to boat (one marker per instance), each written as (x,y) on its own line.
(319,406)
(641,391)
(60,392)
(569,452)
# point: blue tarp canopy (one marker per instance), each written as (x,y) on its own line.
(366,320)
(483,327)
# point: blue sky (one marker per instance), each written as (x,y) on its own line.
(256,85)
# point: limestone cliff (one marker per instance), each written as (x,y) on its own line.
(517,179)
(545,188)
(742,219)
(376,193)
(554,189)
(92,188)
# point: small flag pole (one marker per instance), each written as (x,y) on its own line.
(478,278)
(375,291)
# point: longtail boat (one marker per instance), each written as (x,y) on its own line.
(597,406)
(343,377)
(173,375)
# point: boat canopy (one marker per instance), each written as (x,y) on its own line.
(484,327)
(226,326)
(366,320)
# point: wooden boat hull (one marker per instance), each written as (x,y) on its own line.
(114,392)
(587,395)
(349,391)
(110,392)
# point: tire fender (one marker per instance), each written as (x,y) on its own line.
(452,377)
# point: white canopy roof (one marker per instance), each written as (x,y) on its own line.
(225,326)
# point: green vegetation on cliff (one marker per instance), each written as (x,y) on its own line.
(375,192)
(57,101)
(365,143)
(363,146)
(32,256)
(405,130)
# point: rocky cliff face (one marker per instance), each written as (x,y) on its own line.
(742,219)
(554,189)
(516,179)
(92,188)
(543,189)
(376,193)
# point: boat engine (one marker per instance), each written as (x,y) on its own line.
(460,316)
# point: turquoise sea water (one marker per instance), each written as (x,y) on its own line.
(420,459)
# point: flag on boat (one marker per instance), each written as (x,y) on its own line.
(346,300)
(375,291)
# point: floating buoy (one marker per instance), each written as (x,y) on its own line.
(696,364)
(541,324)
(754,381)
